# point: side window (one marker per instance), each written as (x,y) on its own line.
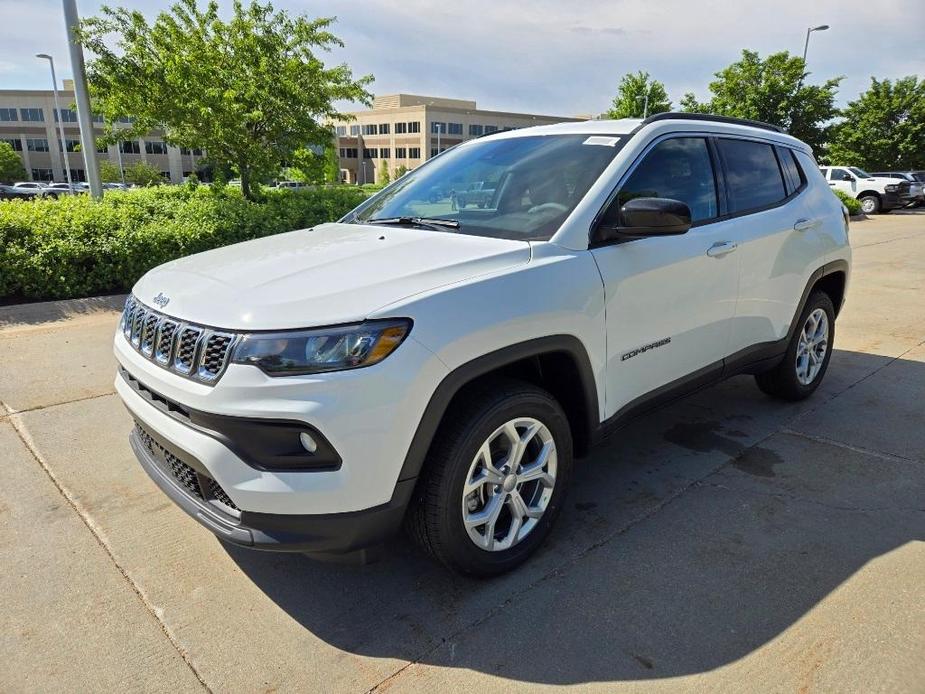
(678,168)
(793,174)
(838,174)
(753,178)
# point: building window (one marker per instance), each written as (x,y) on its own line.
(354,130)
(127,119)
(384,153)
(32,114)
(491,129)
(401,128)
(195,151)
(340,130)
(383,128)
(78,175)
(67,115)
(414,126)
(370,153)
(38,144)
(8,114)
(15,143)
(414,152)
(348,152)
(401,153)
(476,130)
(454,128)
(370,129)
(71,145)
(43,175)
(437,127)
(97,118)
(129,147)
(155,147)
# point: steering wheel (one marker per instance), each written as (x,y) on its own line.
(547,206)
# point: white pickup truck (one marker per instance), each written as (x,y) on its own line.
(876,194)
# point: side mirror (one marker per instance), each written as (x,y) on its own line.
(642,217)
(847,177)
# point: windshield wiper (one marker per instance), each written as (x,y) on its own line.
(425,222)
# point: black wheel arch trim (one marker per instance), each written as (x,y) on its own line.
(461,376)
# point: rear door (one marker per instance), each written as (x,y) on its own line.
(777,231)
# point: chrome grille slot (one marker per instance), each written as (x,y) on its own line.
(148,333)
(137,322)
(187,344)
(164,346)
(193,351)
(214,355)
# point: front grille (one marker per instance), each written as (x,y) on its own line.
(190,350)
(196,484)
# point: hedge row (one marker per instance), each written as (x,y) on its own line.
(852,203)
(75,247)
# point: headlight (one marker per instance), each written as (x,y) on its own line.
(296,352)
(892,188)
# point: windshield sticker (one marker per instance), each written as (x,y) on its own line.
(603,141)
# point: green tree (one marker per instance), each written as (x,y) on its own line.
(884,128)
(630,101)
(250,90)
(383,177)
(400,171)
(143,174)
(109,172)
(772,90)
(11,168)
(331,163)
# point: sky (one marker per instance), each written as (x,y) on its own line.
(547,56)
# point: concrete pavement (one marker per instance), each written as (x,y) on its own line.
(728,542)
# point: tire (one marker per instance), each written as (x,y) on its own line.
(870,204)
(474,425)
(788,380)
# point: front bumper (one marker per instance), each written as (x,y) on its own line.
(178,475)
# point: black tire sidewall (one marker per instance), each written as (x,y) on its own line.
(463,554)
(816,300)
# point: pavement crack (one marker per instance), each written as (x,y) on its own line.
(25,437)
(806,500)
(10,411)
(892,457)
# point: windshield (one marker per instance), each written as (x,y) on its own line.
(919,176)
(860,173)
(511,188)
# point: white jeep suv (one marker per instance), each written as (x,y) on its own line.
(442,367)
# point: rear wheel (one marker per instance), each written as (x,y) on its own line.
(495,479)
(870,204)
(808,354)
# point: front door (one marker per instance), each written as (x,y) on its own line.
(670,301)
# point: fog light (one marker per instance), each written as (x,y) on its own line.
(308,443)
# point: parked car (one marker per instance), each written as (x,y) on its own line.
(479,193)
(64,188)
(291,184)
(313,391)
(916,196)
(875,194)
(31,185)
(19,193)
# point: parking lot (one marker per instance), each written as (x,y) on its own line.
(729,542)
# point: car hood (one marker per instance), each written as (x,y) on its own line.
(334,273)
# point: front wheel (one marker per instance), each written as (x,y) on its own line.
(870,204)
(808,354)
(494,480)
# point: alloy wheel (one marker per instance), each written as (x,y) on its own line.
(812,347)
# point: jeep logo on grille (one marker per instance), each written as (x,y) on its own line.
(161,300)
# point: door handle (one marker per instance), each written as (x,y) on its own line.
(804,224)
(721,248)
(831,185)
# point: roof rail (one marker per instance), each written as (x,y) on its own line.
(671,115)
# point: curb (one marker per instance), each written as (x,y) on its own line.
(858,217)
(53,311)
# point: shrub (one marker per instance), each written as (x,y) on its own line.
(853,205)
(76,246)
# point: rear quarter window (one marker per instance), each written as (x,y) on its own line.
(753,176)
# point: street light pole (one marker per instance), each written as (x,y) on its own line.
(59,118)
(84,117)
(810,30)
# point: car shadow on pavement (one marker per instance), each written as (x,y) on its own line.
(692,538)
